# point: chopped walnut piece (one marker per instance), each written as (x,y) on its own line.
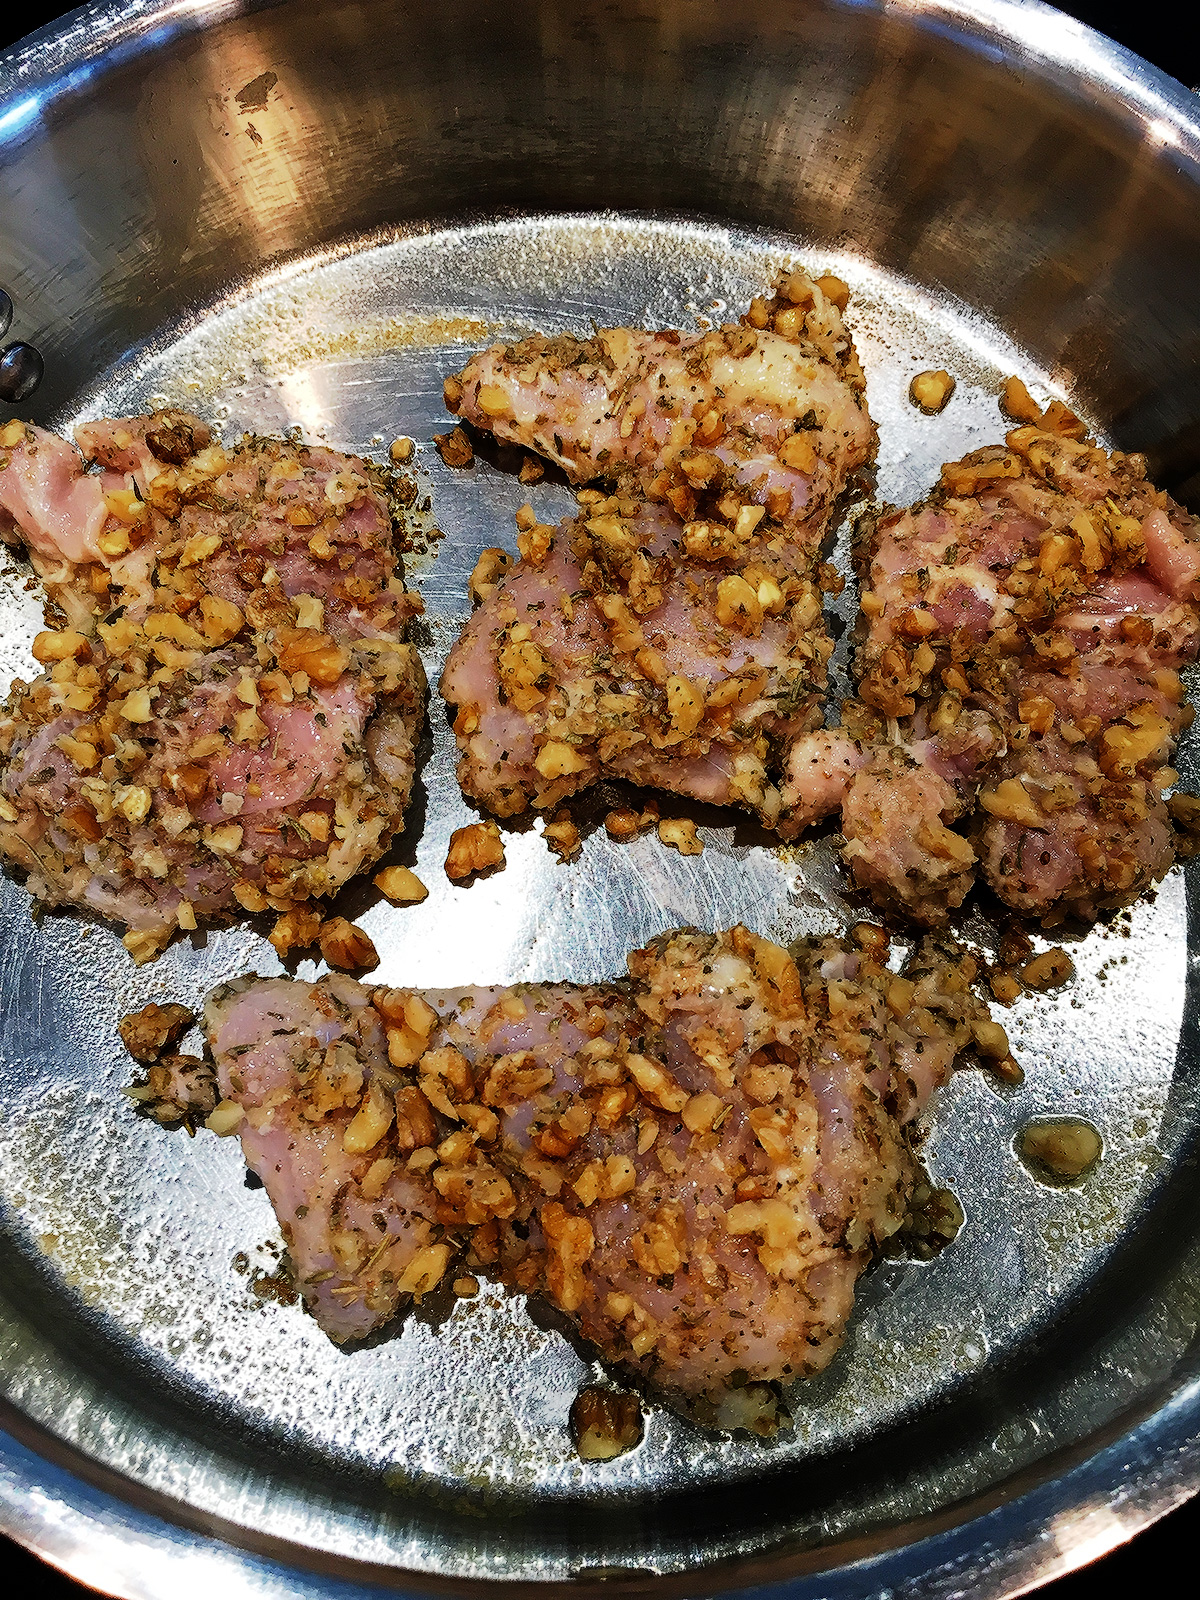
(454,448)
(474,848)
(400,885)
(225,1119)
(557,759)
(1048,970)
(401,449)
(296,929)
(64,646)
(624,823)
(346,946)
(488,574)
(605,1423)
(1011,801)
(532,470)
(680,834)
(1004,986)
(312,652)
(930,391)
(1018,404)
(144,944)
(562,836)
(426,1271)
(148,1032)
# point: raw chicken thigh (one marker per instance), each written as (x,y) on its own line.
(228,722)
(694,1165)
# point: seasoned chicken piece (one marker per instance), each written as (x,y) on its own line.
(694,1165)
(769,412)
(610,651)
(1025,627)
(238,731)
(672,632)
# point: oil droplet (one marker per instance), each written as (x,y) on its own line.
(1059,1150)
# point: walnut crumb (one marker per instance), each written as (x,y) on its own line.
(680,834)
(1017,404)
(562,836)
(346,946)
(474,848)
(454,448)
(148,1032)
(401,885)
(624,823)
(401,449)
(488,574)
(296,929)
(930,391)
(532,470)
(1049,970)
(605,1424)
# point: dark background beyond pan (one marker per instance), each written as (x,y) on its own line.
(1166,1551)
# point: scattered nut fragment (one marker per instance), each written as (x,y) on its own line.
(1049,970)
(400,885)
(466,1288)
(346,946)
(991,1042)
(474,848)
(1060,419)
(605,1423)
(296,929)
(144,944)
(1059,1149)
(930,391)
(488,574)
(680,834)
(1018,404)
(561,834)
(624,823)
(532,470)
(454,448)
(148,1032)
(401,449)
(834,289)
(1004,986)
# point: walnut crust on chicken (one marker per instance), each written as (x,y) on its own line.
(229,723)
(672,632)
(694,1165)
(1019,676)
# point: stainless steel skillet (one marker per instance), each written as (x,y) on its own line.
(305,213)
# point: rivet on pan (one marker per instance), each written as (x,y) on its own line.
(21,370)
